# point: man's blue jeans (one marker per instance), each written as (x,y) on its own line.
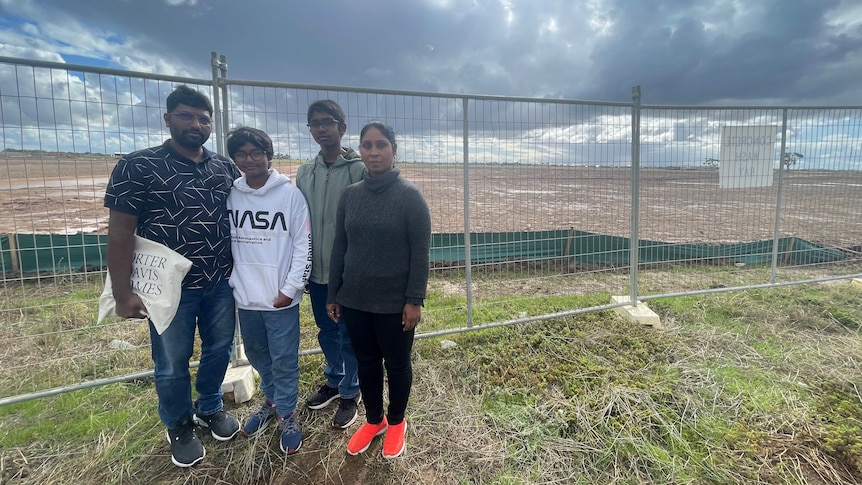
(340,368)
(271,341)
(212,311)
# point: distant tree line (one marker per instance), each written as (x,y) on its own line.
(789,160)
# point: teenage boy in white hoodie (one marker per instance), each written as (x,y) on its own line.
(271,245)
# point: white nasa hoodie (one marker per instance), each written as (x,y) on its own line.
(271,242)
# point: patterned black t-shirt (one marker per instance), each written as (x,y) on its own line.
(180,204)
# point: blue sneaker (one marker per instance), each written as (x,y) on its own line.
(259,421)
(291,434)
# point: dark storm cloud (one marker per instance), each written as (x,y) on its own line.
(679,51)
(768,50)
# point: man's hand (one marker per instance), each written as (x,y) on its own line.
(121,245)
(131,306)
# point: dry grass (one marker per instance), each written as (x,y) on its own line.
(749,387)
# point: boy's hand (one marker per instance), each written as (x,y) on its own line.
(282,301)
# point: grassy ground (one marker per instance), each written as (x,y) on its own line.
(745,387)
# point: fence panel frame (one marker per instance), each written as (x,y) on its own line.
(220,86)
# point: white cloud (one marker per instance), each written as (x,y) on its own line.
(27,52)
(378,72)
(846,17)
(30,29)
(549,27)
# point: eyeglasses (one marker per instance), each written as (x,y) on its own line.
(327,123)
(256,155)
(188,118)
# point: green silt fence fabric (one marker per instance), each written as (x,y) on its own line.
(586,248)
(37,253)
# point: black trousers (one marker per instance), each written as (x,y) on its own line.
(379,341)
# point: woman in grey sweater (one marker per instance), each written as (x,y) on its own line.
(378,276)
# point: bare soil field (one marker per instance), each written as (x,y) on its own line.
(63,194)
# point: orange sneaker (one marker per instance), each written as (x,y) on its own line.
(393,444)
(361,439)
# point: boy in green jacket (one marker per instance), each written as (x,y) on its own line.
(322,180)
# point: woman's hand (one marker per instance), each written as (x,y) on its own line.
(410,316)
(333,311)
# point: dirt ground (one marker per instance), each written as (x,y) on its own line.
(64,194)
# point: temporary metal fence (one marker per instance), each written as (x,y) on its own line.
(532,200)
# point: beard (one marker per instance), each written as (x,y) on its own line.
(188,138)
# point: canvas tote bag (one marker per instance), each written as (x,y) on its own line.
(157,277)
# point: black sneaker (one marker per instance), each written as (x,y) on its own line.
(186,449)
(348,409)
(222,425)
(322,398)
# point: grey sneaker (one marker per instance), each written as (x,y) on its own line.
(186,449)
(222,425)
(348,409)
(322,398)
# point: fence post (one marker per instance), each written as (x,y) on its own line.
(777,230)
(634,245)
(13,252)
(219,127)
(568,248)
(222,64)
(220,117)
(468,263)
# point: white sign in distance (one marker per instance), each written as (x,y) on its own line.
(747,156)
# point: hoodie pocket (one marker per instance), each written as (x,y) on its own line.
(255,285)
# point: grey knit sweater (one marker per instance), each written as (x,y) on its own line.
(382,242)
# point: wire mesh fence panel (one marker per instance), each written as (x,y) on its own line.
(62,131)
(822,187)
(549,191)
(708,207)
(682,201)
(544,179)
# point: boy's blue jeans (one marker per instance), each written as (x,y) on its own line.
(271,341)
(341,370)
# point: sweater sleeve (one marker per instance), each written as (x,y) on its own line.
(300,234)
(419,239)
(339,248)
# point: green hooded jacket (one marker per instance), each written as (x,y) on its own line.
(322,187)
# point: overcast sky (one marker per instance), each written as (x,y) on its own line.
(680,51)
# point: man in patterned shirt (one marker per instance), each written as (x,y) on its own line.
(175,194)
